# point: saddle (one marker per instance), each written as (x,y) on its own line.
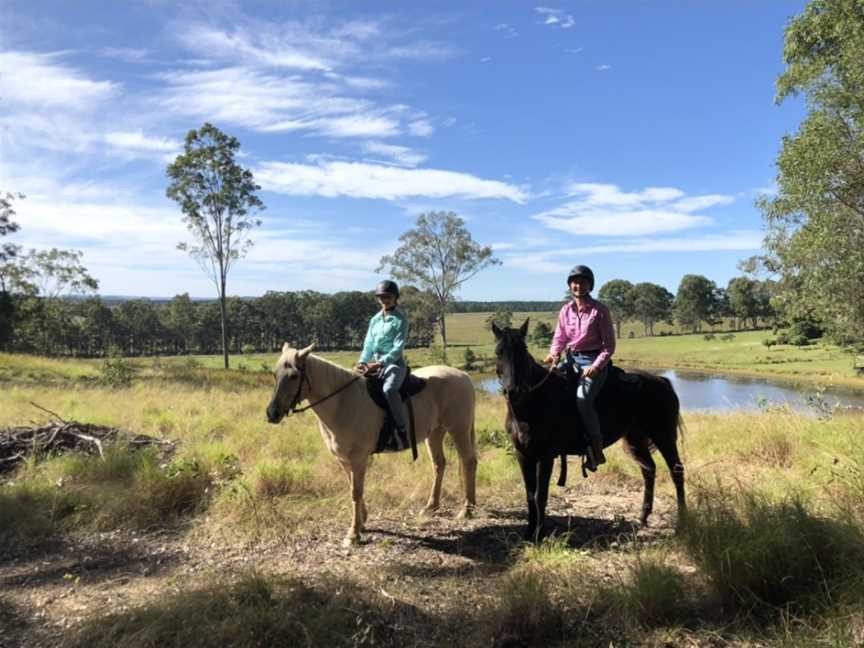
(411,386)
(617,382)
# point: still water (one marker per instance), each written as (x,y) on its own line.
(711,392)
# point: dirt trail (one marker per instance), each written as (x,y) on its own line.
(409,558)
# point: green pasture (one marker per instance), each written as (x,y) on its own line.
(777,512)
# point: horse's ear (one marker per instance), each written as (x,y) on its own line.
(305,352)
(524,328)
(285,347)
(497,331)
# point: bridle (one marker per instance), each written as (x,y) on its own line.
(304,377)
(515,396)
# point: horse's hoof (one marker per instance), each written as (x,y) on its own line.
(430,509)
(351,541)
(466,513)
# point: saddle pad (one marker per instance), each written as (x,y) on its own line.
(410,386)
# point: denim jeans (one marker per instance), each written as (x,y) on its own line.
(587,391)
(394,376)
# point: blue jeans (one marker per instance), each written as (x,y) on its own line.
(586,392)
(394,376)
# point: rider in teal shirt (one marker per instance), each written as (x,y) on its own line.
(383,352)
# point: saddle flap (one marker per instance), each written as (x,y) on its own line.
(411,386)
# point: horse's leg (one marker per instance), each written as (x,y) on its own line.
(467,449)
(669,450)
(640,449)
(529,477)
(435,447)
(358,478)
(544,473)
(346,467)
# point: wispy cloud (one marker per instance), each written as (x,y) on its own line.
(38,80)
(138,141)
(362,180)
(508,30)
(556,262)
(555,17)
(399,154)
(605,210)
(603,68)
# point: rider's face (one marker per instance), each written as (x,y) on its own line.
(580,286)
(386,300)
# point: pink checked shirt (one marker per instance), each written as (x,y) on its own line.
(588,328)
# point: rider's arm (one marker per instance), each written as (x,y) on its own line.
(607,337)
(369,343)
(559,340)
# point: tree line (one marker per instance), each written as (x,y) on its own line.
(745,301)
(87,326)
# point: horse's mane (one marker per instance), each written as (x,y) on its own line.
(332,374)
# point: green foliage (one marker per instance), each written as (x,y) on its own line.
(469,358)
(542,334)
(696,301)
(502,318)
(438,255)
(815,238)
(116,371)
(619,297)
(652,303)
(217,197)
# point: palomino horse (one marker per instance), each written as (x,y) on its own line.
(544,423)
(349,420)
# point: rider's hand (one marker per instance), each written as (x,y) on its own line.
(361,368)
(549,359)
(372,367)
(590,372)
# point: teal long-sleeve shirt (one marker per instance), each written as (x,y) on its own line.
(385,338)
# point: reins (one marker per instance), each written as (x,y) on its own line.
(294,401)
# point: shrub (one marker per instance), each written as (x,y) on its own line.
(116,371)
(708,337)
(799,340)
(469,359)
(727,337)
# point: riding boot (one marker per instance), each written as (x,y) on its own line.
(401,437)
(595,454)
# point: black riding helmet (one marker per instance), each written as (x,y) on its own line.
(387,287)
(581,271)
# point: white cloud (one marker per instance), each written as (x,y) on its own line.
(137,141)
(362,180)
(399,154)
(38,81)
(555,17)
(603,68)
(421,128)
(485,59)
(508,30)
(557,262)
(604,210)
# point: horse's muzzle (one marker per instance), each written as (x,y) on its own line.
(273,413)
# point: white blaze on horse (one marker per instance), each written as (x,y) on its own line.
(350,421)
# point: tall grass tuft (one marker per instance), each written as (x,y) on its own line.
(255,610)
(525,614)
(763,555)
(653,593)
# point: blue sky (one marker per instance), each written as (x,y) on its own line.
(631,137)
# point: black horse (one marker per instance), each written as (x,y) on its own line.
(543,422)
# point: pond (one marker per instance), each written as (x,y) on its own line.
(712,392)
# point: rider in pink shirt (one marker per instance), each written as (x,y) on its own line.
(585,332)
